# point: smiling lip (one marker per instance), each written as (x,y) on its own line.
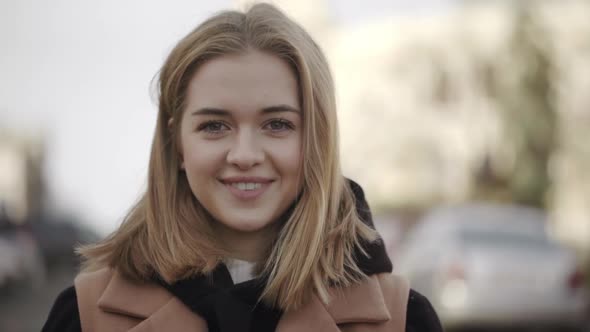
(246,194)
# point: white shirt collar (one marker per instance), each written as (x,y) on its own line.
(240,270)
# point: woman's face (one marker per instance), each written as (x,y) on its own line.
(241,138)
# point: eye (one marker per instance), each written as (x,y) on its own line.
(279,125)
(213,127)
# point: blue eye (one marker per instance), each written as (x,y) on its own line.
(277,125)
(213,127)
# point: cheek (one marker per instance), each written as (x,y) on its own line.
(287,157)
(202,159)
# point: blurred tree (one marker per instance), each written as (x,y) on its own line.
(520,83)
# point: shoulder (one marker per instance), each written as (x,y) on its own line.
(90,285)
(419,313)
(97,277)
(421,316)
(64,316)
(395,290)
(89,288)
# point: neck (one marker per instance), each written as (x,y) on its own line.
(248,246)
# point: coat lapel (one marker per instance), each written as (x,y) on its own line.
(159,310)
(173,316)
(361,303)
(310,317)
(137,300)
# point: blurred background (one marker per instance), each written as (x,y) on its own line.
(466,122)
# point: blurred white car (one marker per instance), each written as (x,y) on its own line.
(8,262)
(20,260)
(494,265)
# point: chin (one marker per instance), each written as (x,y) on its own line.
(246,225)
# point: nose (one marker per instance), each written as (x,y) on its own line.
(245,151)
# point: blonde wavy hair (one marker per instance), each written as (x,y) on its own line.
(167,233)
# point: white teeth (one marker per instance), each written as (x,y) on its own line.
(247,185)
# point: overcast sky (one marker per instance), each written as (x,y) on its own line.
(79,71)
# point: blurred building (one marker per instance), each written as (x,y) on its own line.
(418,121)
(21,177)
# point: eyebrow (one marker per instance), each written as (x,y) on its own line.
(226,113)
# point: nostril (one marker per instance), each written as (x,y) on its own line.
(245,158)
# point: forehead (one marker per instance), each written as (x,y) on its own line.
(249,80)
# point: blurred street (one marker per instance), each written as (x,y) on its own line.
(25,310)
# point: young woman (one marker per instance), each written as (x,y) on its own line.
(247,223)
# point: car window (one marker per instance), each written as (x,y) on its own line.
(503,238)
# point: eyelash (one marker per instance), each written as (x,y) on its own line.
(206,126)
(286,123)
